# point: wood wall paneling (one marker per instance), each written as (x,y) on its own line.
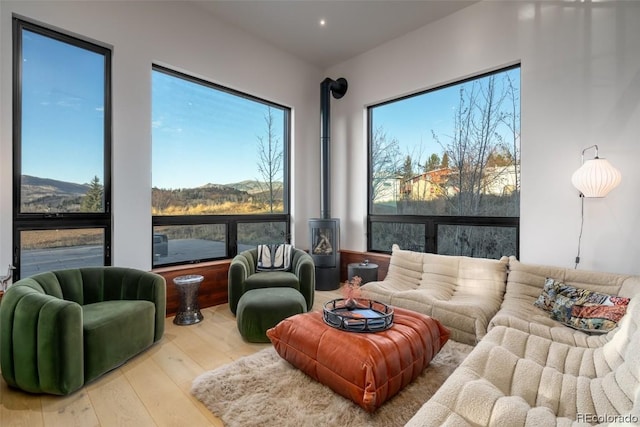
(213,289)
(350,257)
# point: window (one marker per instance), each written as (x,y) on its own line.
(444,169)
(220,170)
(62,143)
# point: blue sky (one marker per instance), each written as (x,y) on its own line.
(411,120)
(63,110)
(200,135)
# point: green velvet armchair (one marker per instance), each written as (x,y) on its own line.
(62,329)
(244,277)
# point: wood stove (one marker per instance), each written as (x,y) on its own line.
(324,232)
(325,251)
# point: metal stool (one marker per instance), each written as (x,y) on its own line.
(189,311)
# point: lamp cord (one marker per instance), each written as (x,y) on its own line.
(581,228)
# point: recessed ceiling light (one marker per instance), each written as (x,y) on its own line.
(322,22)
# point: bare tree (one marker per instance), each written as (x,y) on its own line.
(385,158)
(270,160)
(476,173)
(512,120)
(476,140)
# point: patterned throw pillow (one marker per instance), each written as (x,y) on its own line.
(274,257)
(581,309)
(548,296)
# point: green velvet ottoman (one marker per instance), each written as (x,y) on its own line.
(262,309)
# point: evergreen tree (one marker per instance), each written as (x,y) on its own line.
(92,200)
(433,163)
(407,175)
(445,161)
(407,168)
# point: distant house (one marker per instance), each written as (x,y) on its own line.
(387,189)
(497,180)
(500,180)
(429,185)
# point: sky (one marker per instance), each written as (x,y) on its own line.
(200,134)
(223,130)
(413,120)
(62,110)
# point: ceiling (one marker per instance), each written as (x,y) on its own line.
(351,26)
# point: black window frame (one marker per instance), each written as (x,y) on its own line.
(62,220)
(430,222)
(230,221)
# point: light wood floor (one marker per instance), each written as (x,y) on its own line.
(152,389)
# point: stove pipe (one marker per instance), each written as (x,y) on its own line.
(337,88)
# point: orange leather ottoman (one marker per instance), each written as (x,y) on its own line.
(368,368)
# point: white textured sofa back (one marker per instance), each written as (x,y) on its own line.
(461,292)
(621,386)
(525,283)
(447,274)
(465,277)
(405,268)
(513,378)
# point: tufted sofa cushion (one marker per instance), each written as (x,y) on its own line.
(525,282)
(461,292)
(519,379)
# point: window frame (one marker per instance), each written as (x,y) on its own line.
(430,222)
(230,221)
(60,220)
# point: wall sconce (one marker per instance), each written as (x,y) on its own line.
(595,178)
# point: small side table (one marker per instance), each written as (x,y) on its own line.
(189,311)
(367,271)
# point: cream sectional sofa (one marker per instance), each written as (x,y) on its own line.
(524,284)
(526,369)
(463,293)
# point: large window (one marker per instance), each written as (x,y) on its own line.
(62,143)
(444,169)
(220,170)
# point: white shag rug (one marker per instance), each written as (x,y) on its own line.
(265,390)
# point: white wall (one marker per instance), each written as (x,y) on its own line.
(183,37)
(580,86)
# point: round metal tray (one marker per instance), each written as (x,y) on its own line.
(363,316)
